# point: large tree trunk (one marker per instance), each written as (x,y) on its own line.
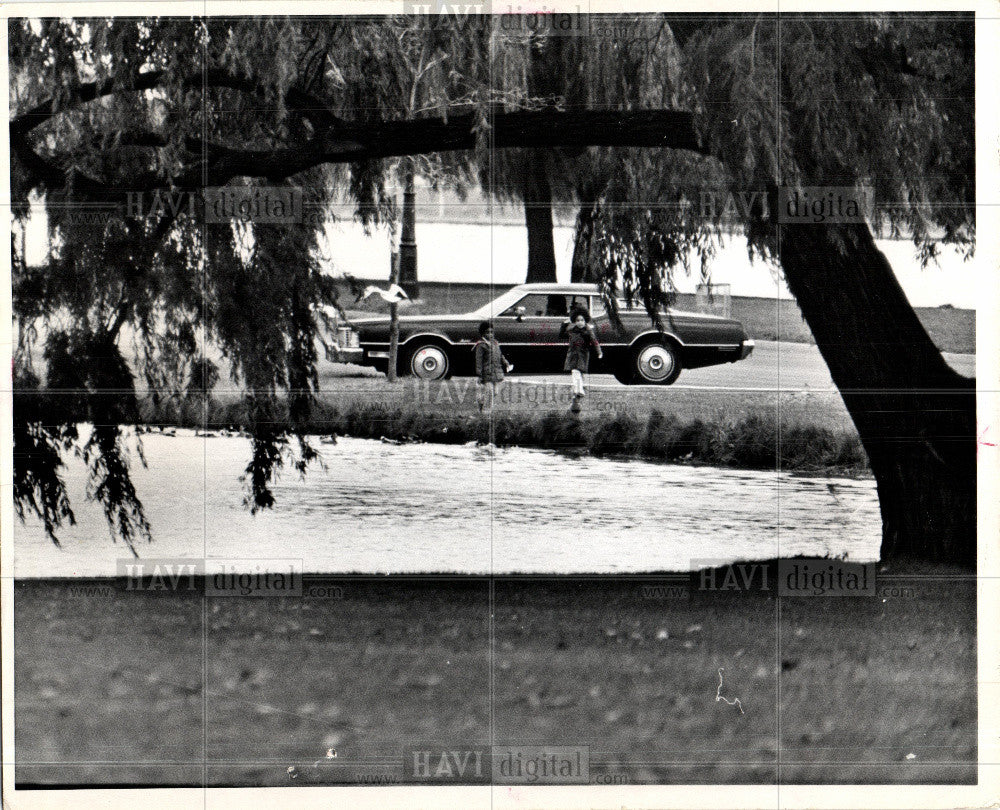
(543,82)
(538,218)
(915,415)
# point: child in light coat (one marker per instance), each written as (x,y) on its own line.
(582,338)
(490,365)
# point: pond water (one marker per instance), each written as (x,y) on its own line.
(422,508)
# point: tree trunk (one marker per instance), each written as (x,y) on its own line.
(915,415)
(538,218)
(583,269)
(543,83)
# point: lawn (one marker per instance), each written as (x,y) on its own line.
(124,687)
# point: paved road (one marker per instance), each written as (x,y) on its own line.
(773,365)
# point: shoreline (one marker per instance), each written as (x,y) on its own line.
(747,441)
(900,567)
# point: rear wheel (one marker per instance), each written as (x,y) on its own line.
(427,361)
(655,363)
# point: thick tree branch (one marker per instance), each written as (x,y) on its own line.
(664,129)
(348,143)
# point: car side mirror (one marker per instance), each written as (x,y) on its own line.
(519,312)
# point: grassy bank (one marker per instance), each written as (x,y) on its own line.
(729,432)
(125,687)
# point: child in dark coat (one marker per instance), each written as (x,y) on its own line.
(490,364)
(582,337)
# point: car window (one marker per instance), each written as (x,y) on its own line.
(541,305)
(596,306)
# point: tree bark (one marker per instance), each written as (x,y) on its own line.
(538,218)
(915,415)
(542,75)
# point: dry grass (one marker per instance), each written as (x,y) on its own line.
(110,688)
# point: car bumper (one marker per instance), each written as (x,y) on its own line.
(747,349)
(344,355)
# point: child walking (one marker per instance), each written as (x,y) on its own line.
(581,336)
(490,365)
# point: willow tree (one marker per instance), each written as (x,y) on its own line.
(882,102)
(105,105)
(139,289)
(882,105)
(544,69)
(885,102)
(134,119)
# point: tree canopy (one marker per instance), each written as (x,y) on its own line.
(104,107)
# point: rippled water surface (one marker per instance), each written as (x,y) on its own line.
(437,508)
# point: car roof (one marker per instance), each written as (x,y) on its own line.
(582,289)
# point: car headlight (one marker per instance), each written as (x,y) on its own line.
(347,338)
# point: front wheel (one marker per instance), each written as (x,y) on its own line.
(427,361)
(654,363)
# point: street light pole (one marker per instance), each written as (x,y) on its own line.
(408,237)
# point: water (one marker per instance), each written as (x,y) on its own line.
(436,508)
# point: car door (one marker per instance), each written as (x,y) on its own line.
(611,339)
(530,338)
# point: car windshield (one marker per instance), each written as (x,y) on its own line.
(498,305)
(540,305)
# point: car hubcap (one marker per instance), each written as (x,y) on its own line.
(656,363)
(429,363)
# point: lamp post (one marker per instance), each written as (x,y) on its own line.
(408,238)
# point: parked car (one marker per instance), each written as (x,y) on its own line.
(527,320)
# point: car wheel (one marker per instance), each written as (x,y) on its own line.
(656,363)
(428,361)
